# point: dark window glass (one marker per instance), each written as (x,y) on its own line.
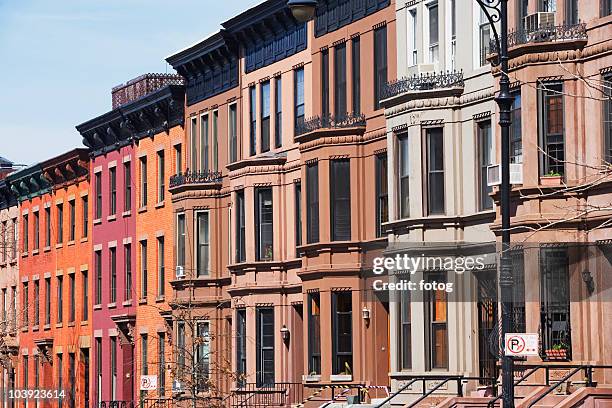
(26,232)
(607,116)
(380,63)
(26,304)
(98,271)
(606,8)
(437,336)
(204,143)
(555,299)
(85,209)
(298,214)
(340,190)
(181,239)
(547,5)
(298,96)
(264,225)
(85,305)
(112,174)
(178,159)
(342,333)
(127,186)
(113,367)
(60,223)
(113,274)
(340,80)
(98,195)
(265,116)
(434,30)
(240,228)
(356,62)
(202,357)
(405,331)
(143,182)
(161,267)
(202,236)
(404,176)
(485,159)
(36,230)
(522,9)
(72,220)
(215,140)
(161,176)
(48,301)
(571,11)
(233,136)
(36,303)
(314,333)
(551,126)
(161,363)
(194,144)
(265,346)
(253,121)
(72,288)
(144,275)
(241,346)
(325,82)
(485,38)
(48,226)
(516,143)
(382,196)
(278,113)
(180,349)
(312,202)
(435,170)
(127,260)
(60,299)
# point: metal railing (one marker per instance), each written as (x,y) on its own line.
(117,404)
(423,82)
(195,177)
(548,33)
(156,403)
(271,395)
(330,121)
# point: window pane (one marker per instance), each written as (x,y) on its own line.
(340,176)
(340,80)
(435,170)
(203,244)
(312,199)
(265,224)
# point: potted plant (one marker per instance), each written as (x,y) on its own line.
(551,179)
(557,352)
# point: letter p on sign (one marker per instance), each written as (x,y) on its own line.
(521,344)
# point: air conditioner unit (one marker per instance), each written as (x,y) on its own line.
(177,387)
(494,174)
(539,20)
(419,69)
(180,272)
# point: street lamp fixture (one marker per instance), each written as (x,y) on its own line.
(284,333)
(302,10)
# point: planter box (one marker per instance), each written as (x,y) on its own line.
(551,180)
(556,354)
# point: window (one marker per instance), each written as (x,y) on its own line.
(14,306)
(453,12)
(202,357)
(112,173)
(340,197)
(215,140)
(203,253)
(485,159)
(404,176)
(380,63)
(15,238)
(36,303)
(484,30)
(72,378)
(516,144)
(85,220)
(265,116)
(98,196)
(99,366)
(60,376)
(264,232)
(127,186)
(555,298)
(26,237)
(161,176)
(127,260)
(143,270)
(265,346)
(26,304)
(161,267)
(314,333)
(113,366)
(551,127)
(181,238)
(194,144)
(571,11)
(325,83)
(342,333)
(606,8)
(241,346)
(413,52)
(522,9)
(144,340)
(240,227)
(143,182)
(47,301)
(253,119)
(72,220)
(340,80)
(36,230)
(356,62)
(36,371)
(178,159)
(434,46)
(312,202)
(60,223)
(98,272)
(180,342)
(607,118)
(72,311)
(204,143)
(278,112)
(298,214)
(233,136)
(298,96)
(405,329)
(26,369)
(161,363)
(437,336)
(435,170)
(382,195)
(60,299)
(547,5)
(113,274)
(85,359)
(85,304)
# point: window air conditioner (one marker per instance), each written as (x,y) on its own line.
(539,21)
(494,174)
(180,272)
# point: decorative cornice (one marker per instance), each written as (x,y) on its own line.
(449,102)
(67,168)
(28,183)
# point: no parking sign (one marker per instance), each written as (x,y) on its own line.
(521,344)
(148,382)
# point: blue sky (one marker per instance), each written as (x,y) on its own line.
(59,60)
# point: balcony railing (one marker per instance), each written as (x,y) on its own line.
(117,404)
(564,32)
(272,395)
(423,82)
(330,121)
(195,177)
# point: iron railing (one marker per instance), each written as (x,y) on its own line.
(273,395)
(549,33)
(156,403)
(423,82)
(141,86)
(117,404)
(330,121)
(195,177)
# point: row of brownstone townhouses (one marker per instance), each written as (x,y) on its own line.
(212,242)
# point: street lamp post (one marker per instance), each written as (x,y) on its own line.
(496,11)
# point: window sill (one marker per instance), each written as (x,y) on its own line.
(25,329)
(111,218)
(35,328)
(58,246)
(59,325)
(312,378)
(35,252)
(341,377)
(97,307)
(13,261)
(111,305)
(85,323)
(160,204)
(142,301)
(47,248)
(70,243)
(160,298)
(127,303)
(97,221)
(84,239)
(71,324)
(142,209)
(47,327)
(24,254)
(126,213)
